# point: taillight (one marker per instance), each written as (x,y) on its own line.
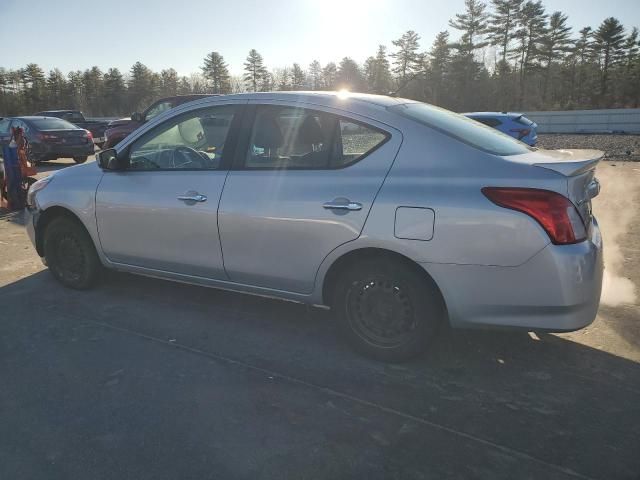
(522,132)
(47,136)
(554,212)
(89,135)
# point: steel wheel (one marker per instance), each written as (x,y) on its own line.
(380,312)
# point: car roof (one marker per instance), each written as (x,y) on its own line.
(34,117)
(493,114)
(58,111)
(327,98)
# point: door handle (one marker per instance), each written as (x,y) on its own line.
(339,204)
(197,197)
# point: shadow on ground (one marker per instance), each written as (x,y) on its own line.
(142,378)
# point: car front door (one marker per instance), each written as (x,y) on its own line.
(160,212)
(302,185)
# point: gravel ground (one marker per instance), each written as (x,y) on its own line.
(619,147)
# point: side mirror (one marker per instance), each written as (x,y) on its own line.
(108,160)
(137,117)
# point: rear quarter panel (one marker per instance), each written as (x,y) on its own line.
(438,172)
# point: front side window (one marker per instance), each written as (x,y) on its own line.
(157,110)
(299,138)
(192,141)
(462,128)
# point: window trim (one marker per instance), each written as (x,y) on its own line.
(251,112)
(231,142)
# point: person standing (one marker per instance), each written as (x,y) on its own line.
(12,171)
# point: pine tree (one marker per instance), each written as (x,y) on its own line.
(555,44)
(382,74)
(608,41)
(439,63)
(349,75)
(93,90)
(473,24)
(315,75)
(255,71)
(56,88)
(284,83)
(34,83)
(215,70)
(329,76)
(369,73)
(298,77)
(114,92)
(502,24)
(532,21)
(631,82)
(407,61)
(140,86)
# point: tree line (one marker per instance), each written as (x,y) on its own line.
(507,55)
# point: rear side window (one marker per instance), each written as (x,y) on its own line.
(356,141)
(462,128)
(52,124)
(299,138)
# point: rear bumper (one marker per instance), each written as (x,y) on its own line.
(31,220)
(558,289)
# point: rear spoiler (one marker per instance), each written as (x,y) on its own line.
(569,162)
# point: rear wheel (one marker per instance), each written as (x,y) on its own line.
(70,254)
(80,159)
(387,310)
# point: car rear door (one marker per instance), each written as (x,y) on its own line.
(161,212)
(302,184)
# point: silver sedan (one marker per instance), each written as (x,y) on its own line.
(398,215)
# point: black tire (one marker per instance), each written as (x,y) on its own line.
(80,159)
(387,310)
(70,254)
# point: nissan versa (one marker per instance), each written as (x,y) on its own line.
(398,215)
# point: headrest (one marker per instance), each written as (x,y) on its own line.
(311,132)
(267,133)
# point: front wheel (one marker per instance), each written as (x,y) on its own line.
(387,310)
(70,254)
(80,159)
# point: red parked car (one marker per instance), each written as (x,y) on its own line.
(119,129)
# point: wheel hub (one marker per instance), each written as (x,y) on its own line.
(381,312)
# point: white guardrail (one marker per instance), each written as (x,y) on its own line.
(616,120)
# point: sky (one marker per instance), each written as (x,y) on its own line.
(75,35)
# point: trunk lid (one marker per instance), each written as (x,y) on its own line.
(65,137)
(577,166)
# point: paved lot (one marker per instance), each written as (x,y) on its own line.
(146,379)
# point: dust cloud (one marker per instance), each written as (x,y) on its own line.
(615,209)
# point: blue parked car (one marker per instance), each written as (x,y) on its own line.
(514,124)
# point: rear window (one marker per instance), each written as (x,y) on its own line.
(462,128)
(490,122)
(52,124)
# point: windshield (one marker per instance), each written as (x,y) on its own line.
(52,124)
(462,128)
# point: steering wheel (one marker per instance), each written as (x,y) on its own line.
(187,154)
